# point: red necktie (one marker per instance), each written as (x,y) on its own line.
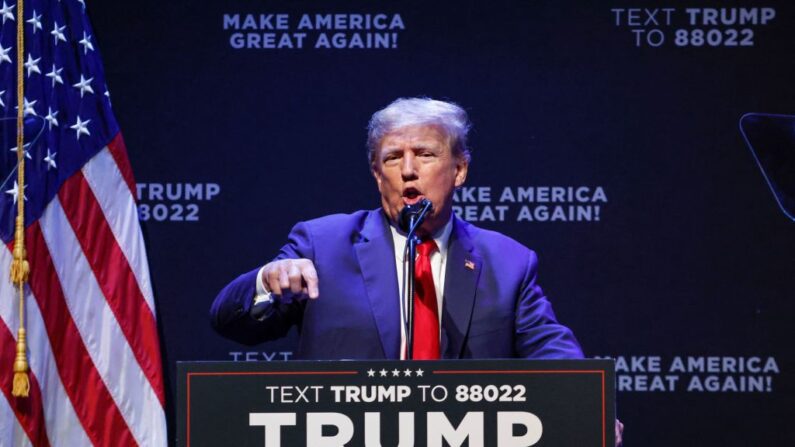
(426,313)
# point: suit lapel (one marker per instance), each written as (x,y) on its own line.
(461,281)
(376,254)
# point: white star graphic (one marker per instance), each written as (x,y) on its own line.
(2,93)
(50,160)
(15,192)
(407,372)
(382,373)
(35,21)
(32,65)
(55,74)
(4,54)
(370,373)
(84,85)
(80,127)
(27,107)
(82,2)
(6,12)
(395,373)
(57,32)
(107,93)
(86,42)
(51,117)
(419,372)
(27,154)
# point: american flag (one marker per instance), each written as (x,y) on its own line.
(94,355)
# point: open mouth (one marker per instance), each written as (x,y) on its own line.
(411,196)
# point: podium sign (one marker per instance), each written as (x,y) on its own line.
(503,403)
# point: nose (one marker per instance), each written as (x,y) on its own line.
(408,168)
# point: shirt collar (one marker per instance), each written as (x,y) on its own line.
(441,237)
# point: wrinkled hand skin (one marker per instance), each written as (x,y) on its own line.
(297,276)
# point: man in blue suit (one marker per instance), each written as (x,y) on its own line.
(339,278)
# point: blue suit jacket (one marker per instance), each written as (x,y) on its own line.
(494,310)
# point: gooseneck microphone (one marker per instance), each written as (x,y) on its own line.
(409,220)
(412,216)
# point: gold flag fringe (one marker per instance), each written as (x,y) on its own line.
(20,269)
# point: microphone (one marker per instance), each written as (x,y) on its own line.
(411,216)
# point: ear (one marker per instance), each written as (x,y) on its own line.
(461,169)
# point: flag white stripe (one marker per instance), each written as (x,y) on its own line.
(100,331)
(118,204)
(62,424)
(11,432)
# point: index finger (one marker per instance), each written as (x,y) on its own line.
(309,274)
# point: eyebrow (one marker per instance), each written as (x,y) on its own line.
(419,145)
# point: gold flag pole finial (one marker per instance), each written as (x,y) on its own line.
(20,269)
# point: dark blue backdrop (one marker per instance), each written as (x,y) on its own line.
(688,257)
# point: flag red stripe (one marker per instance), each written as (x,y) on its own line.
(91,400)
(114,276)
(29,410)
(119,153)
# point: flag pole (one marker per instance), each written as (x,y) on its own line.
(20,269)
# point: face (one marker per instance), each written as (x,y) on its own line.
(416,162)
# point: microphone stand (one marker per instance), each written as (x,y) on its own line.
(415,220)
(411,248)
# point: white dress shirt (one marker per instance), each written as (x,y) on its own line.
(438,262)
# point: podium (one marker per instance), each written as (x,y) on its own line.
(486,403)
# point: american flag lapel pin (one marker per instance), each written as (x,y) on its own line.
(469,264)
